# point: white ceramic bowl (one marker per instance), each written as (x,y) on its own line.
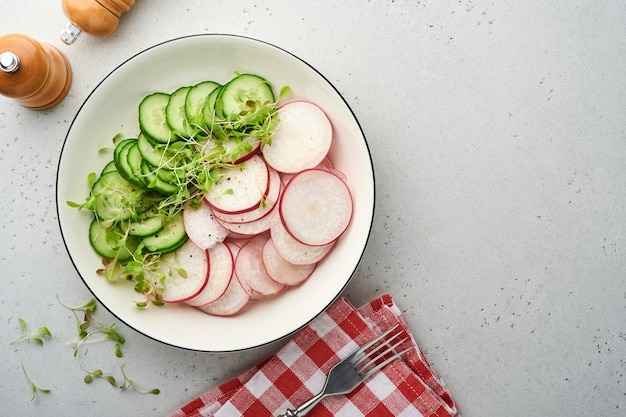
(112,108)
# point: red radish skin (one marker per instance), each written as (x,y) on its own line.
(231,302)
(195,263)
(241,188)
(339,174)
(285,178)
(235,246)
(252,228)
(293,251)
(316,207)
(250,269)
(202,227)
(301,140)
(221,269)
(282,271)
(265,208)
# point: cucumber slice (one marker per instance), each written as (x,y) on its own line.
(170,238)
(213,121)
(120,146)
(155,182)
(121,161)
(110,243)
(133,161)
(238,92)
(147,225)
(194,102)
(153,119)
(149,151)
(115,198)
(175,114)
(108,168)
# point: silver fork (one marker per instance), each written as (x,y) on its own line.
(356,368)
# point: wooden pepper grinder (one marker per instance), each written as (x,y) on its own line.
(96,17)
(36,74)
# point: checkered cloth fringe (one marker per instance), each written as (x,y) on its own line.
(407,387)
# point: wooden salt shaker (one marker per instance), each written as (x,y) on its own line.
(36,74)
(96,17)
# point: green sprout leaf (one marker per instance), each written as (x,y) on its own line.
(98,374)
(36,336)
(125,384)
(34,387)
(91,331)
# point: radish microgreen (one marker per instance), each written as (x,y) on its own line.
(34,387)
(89,329)
(36,336)
(128,384)
(125,384)
(98,374)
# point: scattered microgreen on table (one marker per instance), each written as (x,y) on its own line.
(37,336)
(34,387)
(89,329)
(126,383)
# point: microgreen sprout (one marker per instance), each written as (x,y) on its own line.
(125,384)
(128,383)
(89,329)
(36,336)
(34,387)
(98,374)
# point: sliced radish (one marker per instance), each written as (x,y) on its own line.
(231,302)
(286,177)
(282,271)
(235,246)
(293,251)
(316,207)
(301,140)
(271,199)
(241,188)
(327,162)
(236,241)
(338,173)
(194,262)
(201,226)
(242,150)
(251,270)
(221,268)
(252,228)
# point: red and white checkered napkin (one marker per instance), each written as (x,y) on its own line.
(406,387)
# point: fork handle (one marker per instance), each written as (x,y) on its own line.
(305,407)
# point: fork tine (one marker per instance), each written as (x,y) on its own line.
(385,362)
(358,356)
(378,354)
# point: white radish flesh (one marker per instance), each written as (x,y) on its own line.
(250,269)
(202,227)
(231,302)
(316,207)
(282,271)
(221,268)
(293,251)
(271,199)
(301,140)
(194,262)
(253,228)
(241,188)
